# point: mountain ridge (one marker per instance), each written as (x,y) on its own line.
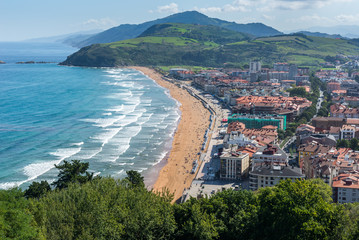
(129,31)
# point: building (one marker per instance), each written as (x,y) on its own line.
(243,136)
(347,132)
(343,111)
(255,67)
(266,175)
(270,154)
(311,149)
(259,121)
(324,139)
(346,188)
(271,105)
(234,165)
(332,86)
(325,123)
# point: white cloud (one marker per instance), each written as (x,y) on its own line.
(296,4)
(170,8)
(347,19)
(236,6)
(313,19)
(100,23)
(269,5)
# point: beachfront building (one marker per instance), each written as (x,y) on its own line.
(267,175)
(259,121)
(234,165)
(346,188)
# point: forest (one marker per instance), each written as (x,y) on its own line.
(80,206)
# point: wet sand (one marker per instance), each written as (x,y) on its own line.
(188,139)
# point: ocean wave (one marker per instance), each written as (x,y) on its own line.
(104,122)
(88,154)
(105,137)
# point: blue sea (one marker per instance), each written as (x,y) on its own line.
(115,119)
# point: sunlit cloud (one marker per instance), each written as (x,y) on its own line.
(99,23)
(170,8)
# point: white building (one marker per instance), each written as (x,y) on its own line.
(347,132)
(271,154)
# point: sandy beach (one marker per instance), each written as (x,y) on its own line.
(176,174)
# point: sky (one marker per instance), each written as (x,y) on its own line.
(27,19)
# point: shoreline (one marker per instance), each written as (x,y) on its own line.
(174,171)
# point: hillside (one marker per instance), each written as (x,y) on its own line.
(129,31)
(186,44)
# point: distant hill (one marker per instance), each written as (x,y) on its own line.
(319,34)
(348,31)
(69,39)
(129,31)
(188,44)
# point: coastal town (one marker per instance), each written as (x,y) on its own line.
(272,124)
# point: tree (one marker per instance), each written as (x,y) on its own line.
(105,209)
(281,134)
(37,190)
(16,221)
(135,179)
(354,144)
(298,91)
(343,143)
(297,210)
(72,172)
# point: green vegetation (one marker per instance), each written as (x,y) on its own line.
(105,208)
(209,46)
(353,144)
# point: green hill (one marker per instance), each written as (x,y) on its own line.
(188,44)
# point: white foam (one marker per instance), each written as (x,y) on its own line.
(8,185)
(115,108)
(107,114)
(110,83)
(36,169)
(120,95)
(78,144)
(88,154)
(63,153)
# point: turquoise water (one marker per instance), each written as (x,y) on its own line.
(115,119)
